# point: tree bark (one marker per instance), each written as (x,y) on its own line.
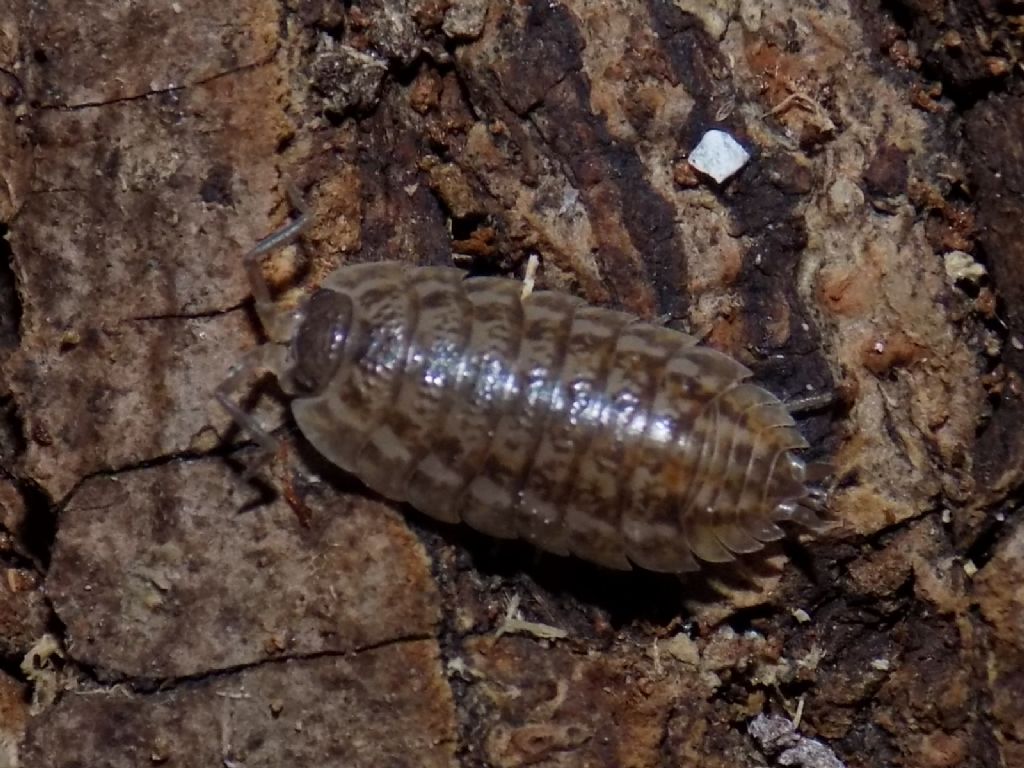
(156,607)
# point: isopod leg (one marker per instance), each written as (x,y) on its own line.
(818,471)
(818,401)
(275,322)
(267,358)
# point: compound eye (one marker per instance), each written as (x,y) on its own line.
(320,341)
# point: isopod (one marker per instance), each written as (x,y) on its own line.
(582,430)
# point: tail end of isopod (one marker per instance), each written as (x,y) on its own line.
(809,509)
(806,512)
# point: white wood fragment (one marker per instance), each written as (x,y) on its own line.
(237,695)
(962,266)
(531,274)
(718,155)
(513,623)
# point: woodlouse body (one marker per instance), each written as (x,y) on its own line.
(582,430)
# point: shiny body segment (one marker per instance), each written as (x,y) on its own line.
(582,430)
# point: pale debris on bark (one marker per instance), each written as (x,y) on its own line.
(779,737)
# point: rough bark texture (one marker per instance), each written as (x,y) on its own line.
(156,609)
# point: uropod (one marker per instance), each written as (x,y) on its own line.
(582,430)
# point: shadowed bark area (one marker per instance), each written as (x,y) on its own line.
(157,609)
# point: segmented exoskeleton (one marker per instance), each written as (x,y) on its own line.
(580,429)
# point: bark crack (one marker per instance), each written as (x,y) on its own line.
(252,66)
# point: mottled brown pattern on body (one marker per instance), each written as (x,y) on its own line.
(549,322)
(558,440)
(592,448)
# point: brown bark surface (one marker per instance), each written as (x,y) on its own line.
(156,609)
